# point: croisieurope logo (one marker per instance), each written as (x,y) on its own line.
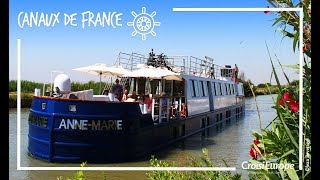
(143,23)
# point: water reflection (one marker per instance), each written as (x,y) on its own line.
(229,141)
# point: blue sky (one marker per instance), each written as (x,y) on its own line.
(228,37)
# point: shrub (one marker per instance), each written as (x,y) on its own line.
(279,144)
(204,161)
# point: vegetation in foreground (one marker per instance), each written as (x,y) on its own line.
(280,142)
(204,161)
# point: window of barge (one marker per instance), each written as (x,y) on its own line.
(194,87)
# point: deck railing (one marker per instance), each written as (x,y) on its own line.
(167,108)
(181,64)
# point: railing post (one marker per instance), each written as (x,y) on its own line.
(160,111)
(152,108)
(180,105)
(168,108)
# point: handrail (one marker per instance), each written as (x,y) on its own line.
(174,107)
(180,64)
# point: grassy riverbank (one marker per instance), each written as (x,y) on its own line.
(26,100)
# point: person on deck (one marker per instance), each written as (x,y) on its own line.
(236,70)
(134,95)
(148,100)
(117,89)
(163,99)
(106,92)
(125,95)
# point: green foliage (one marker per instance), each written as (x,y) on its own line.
(291,18)
(26,86)
(265,90)
(294,83)
(77,176)
(204,161)
(246,87)
(260,89)
(154,162)
(279,143)
(29,86)
(26,100)
(77,86)
(261,86)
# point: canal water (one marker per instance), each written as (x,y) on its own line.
(229,141)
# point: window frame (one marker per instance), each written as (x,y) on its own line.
(194,88)
(221,92)
(204,88)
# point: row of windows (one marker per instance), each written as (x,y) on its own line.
(218,89)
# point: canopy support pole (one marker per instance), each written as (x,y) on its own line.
(100,84)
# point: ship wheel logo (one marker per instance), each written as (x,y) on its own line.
(143,23)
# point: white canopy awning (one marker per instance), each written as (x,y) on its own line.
(154,73)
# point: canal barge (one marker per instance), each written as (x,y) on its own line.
(78,126)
